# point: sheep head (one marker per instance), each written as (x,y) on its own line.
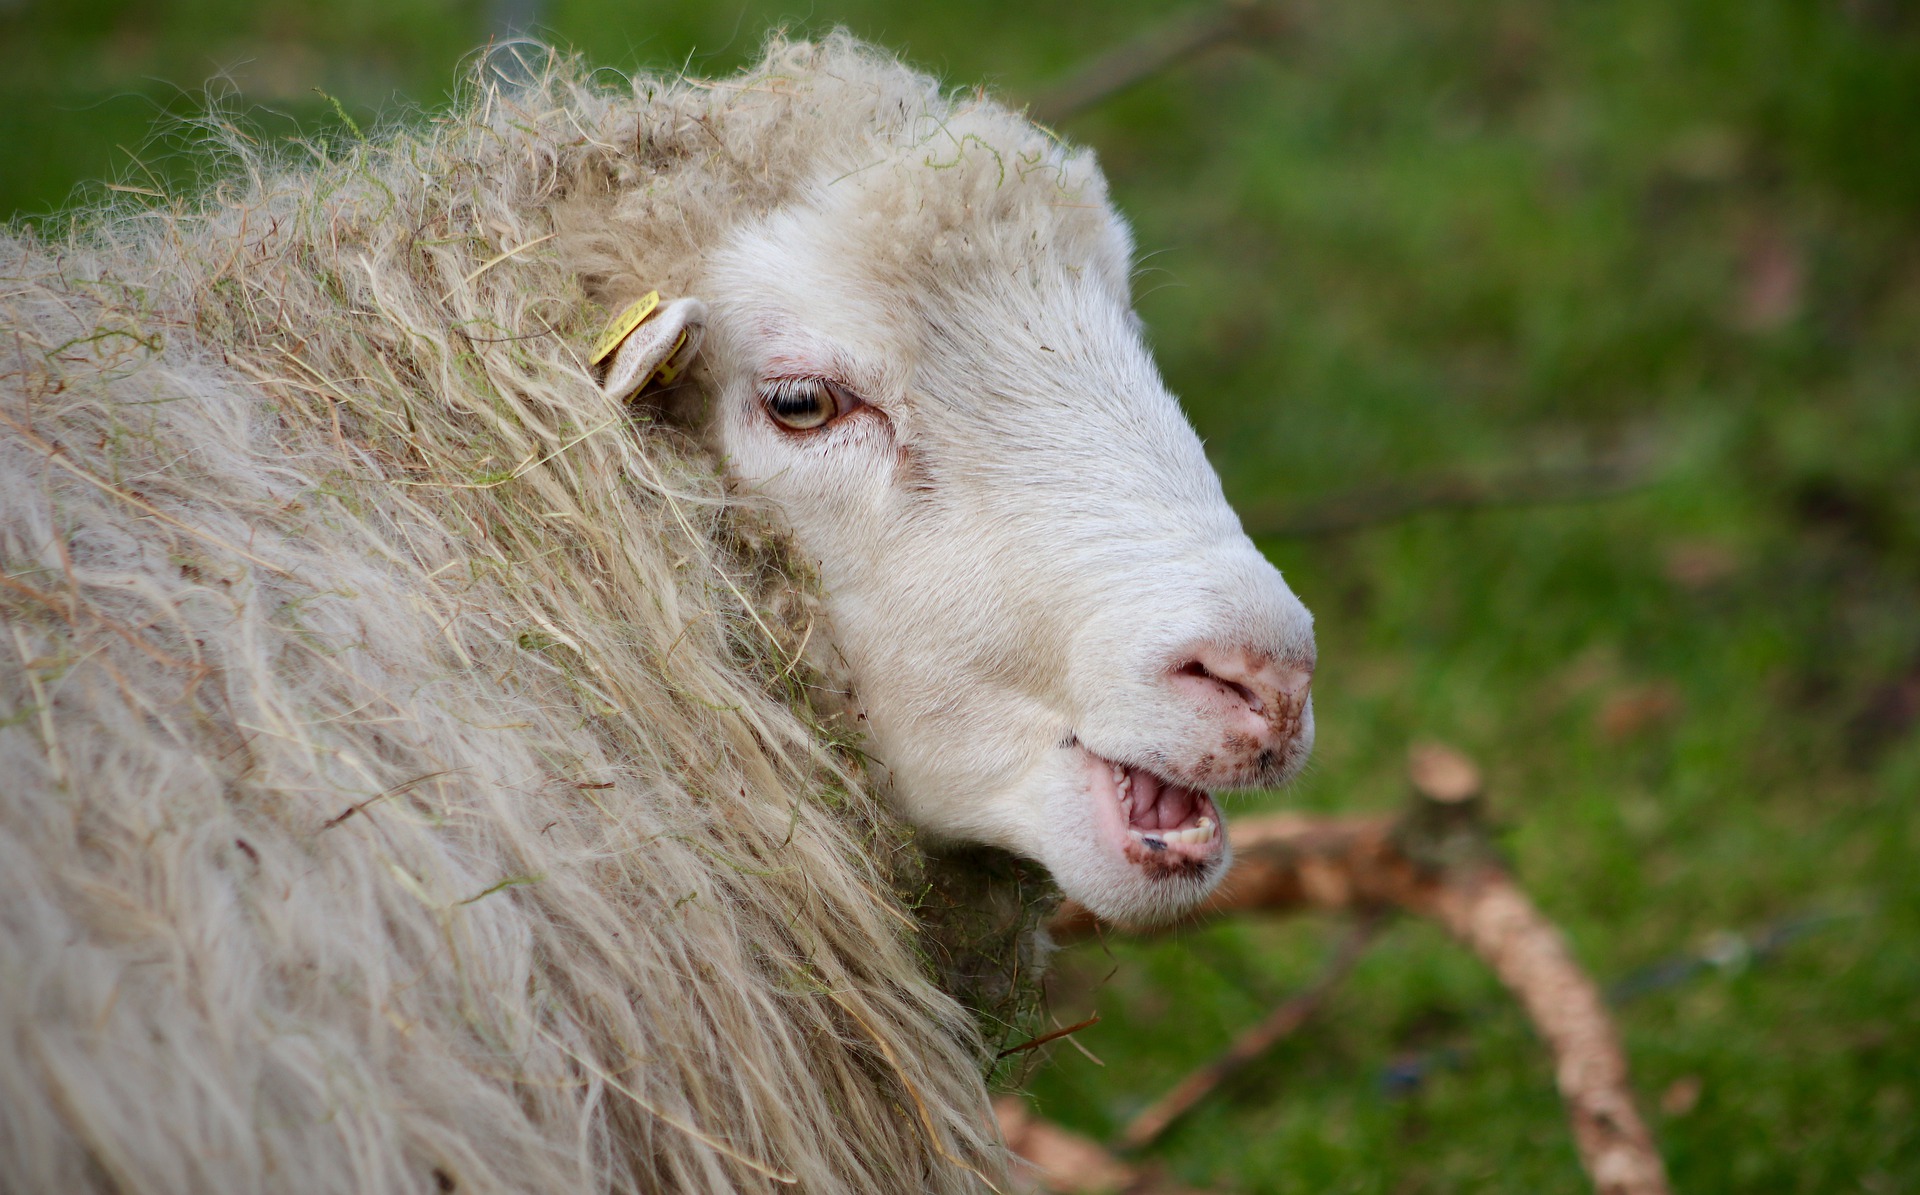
(1062,643)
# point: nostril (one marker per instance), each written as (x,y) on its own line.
(1267,685)
(1199,671)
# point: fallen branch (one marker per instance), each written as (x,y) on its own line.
(1157,49)
(1062,1162)
(1529,954)
(1437,860)
(1288,862)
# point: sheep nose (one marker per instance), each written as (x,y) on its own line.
(1264,693)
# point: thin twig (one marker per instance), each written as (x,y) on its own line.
(1034,1043)
(1144,1129)
(1593,481)
(1155,50)
(395,791)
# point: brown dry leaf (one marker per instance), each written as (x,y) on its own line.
(1682,1095)
(1637,709)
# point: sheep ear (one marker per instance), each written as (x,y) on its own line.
(658,349)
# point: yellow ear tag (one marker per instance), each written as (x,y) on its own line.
(670,364)
(623,326)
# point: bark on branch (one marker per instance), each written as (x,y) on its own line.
(1437,860)
(1528,953)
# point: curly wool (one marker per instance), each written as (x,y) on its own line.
(404,784)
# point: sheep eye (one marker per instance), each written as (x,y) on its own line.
(806,403)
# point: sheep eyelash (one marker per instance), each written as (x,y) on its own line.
(773,392)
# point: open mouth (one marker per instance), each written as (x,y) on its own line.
(1156,824)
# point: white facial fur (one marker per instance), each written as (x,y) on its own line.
(1023,548)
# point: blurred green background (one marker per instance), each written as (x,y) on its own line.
(1390,247)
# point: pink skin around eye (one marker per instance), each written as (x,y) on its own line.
(846,402)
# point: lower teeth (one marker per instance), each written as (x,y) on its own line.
(1198,834)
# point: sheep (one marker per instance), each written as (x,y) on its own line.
(431,764)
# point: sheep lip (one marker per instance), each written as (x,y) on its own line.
(1164,829)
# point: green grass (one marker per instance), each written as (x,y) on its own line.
(1413,240)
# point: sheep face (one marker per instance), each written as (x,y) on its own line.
(1060,638)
